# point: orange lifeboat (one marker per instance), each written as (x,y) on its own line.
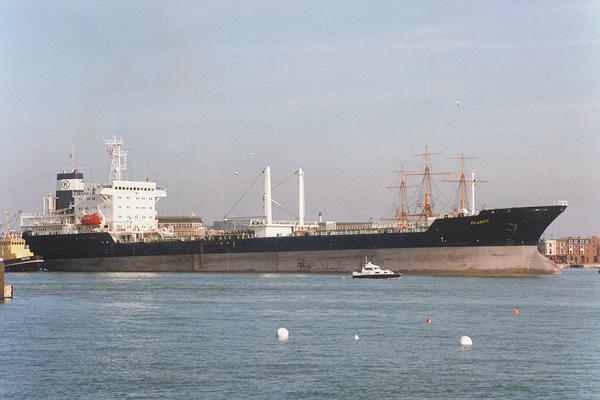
(91,219)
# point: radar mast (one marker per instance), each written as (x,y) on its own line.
(119,157)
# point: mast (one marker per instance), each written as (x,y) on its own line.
(428,205)
(401,215)
(119,157)
(300,173)
(267,197)
(73,162)
(462,182)
(473,181)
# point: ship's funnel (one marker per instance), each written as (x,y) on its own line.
(300,173)
(267,197)
(68,184)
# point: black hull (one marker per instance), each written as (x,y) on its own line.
(498,227)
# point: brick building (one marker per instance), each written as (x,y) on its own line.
(181,226)
(573,250)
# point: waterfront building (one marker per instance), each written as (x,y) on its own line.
(572,250)
(181,226)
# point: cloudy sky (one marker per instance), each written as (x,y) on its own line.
(347,90)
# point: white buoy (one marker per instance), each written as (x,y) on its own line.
(356,337)
(465,341)
(282,334)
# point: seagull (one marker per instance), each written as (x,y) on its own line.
(457,103)
(236,172)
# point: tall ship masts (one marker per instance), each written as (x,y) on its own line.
(462,182)
(427,205)
(426,213)
(401,214)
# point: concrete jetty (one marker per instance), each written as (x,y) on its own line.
(7,289)
(1,281)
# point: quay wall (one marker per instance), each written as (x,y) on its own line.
(481,260)
(1,281)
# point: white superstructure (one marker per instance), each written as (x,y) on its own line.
(120,206)
(125,206)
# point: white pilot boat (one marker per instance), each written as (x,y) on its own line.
(372,271)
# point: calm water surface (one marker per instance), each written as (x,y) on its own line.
(212,336)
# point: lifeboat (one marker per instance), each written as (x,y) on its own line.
(91,219)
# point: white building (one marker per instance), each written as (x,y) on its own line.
(550,247)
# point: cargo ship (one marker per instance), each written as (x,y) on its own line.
(114,227)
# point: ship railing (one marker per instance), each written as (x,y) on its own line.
(374,231)
(234,234)
(244,234)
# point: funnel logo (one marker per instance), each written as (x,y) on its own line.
(65,184)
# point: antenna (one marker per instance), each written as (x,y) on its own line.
(6,223)
(118,155)
(72,158)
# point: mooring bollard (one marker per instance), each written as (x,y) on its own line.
(8,291)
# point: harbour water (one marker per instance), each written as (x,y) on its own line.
(212,336)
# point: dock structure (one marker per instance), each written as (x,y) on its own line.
(1,281)
(7,289)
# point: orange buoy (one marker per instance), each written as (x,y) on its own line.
(428,320)
(515,310)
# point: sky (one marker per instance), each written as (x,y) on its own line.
(347,90)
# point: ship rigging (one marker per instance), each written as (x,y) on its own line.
(422,204)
